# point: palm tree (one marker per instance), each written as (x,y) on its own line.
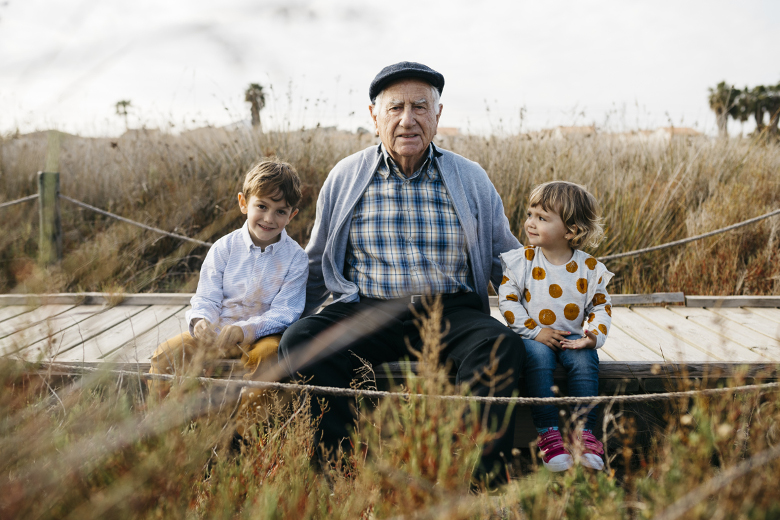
(722,102)
(121,109)
(773,107)
(758,96)
(254,95)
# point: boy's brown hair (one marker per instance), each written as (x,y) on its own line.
(273,178)
(577,208)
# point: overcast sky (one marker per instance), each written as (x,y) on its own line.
(620,64)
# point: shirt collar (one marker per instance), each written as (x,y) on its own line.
(427,165)
(283,237)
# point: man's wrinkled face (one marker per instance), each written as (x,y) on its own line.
(406,119)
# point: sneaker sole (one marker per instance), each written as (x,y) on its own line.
(595,463)
(559,466)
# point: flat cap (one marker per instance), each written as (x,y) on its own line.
(402,70)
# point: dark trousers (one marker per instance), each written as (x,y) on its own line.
(470,338)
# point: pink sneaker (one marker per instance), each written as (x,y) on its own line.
(592,450)
(554,454)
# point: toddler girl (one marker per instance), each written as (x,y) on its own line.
(555,297)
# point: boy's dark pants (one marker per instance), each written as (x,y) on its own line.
(470,338)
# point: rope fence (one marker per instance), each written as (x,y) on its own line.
(134,223)
(18,201)
(356,392)
(601,258)
(690,239)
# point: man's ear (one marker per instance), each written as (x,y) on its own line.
(242,203)
(373,118)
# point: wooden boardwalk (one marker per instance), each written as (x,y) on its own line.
(700,334)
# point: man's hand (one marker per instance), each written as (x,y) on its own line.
(552,338)
(587,341)
(229,338)
(203,330)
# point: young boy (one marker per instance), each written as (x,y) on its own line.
(252,283)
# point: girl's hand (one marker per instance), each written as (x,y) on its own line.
(587,341)
(552,338)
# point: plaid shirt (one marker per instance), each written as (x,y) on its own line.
(405,237)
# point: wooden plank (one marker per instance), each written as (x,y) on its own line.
(623,347)
(632,370)
(631,299)
(768,313)
(110,340)
(643,299)
(732,301)
(93,298)
(657,339)
(31,318)
(751,320)
(141,348)
(732,330)
(51,327)
(698,336)
(96,299)
(74,336)
(13,310)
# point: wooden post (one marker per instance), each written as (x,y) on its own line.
(50,242)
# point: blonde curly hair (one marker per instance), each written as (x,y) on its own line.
(577,208)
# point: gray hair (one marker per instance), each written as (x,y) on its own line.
(434,94)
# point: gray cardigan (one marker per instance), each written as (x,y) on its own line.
(476,202)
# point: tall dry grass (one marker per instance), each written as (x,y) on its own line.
(188,184)
(99,447)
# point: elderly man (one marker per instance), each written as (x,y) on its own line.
(396,221)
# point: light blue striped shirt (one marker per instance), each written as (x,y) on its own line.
(263,292)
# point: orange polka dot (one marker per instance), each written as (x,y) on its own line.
(600,278)
(595,332)
(572,266)
(530,323)
(504,280)
(527,295)
(529,254)
(582,285)
(591,317)
(546,317)
(555,290)
(512,297)
(538,273)
(603,328)
(599,299)
(608,308)
(591,263)
(571,311)
(509,317)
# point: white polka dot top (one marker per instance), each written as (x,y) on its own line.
(535,293)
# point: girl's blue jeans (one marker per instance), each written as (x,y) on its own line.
(582,376)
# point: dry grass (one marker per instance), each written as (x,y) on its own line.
(188,184)
(99,447)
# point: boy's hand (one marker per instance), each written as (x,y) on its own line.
(552,338)
(587,341)
(203,330)
(229,338)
